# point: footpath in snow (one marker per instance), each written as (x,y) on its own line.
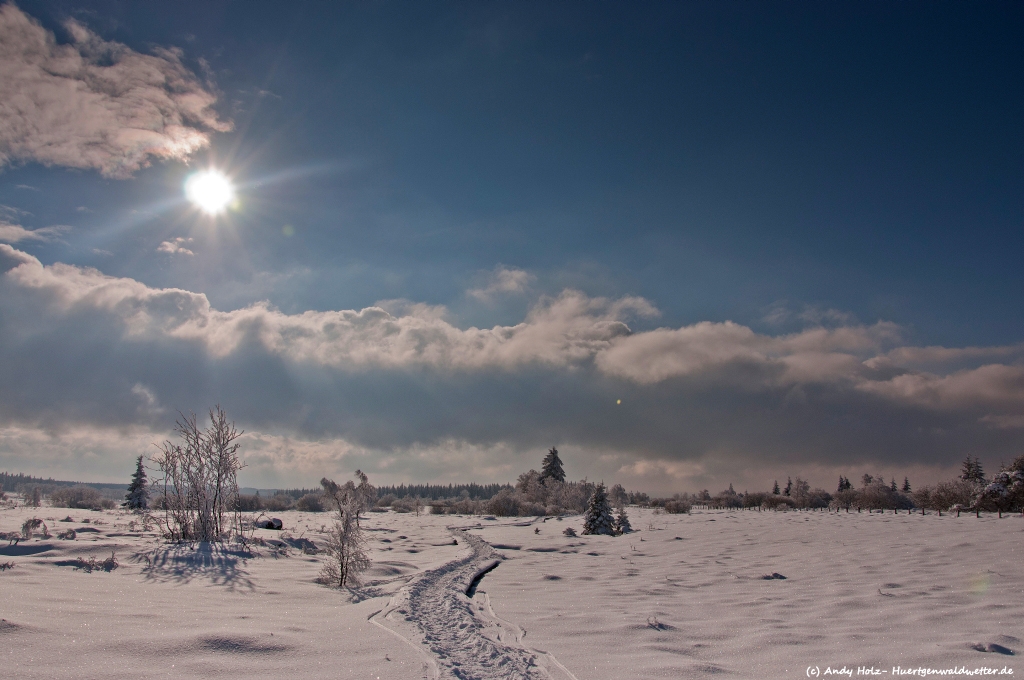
(441,611)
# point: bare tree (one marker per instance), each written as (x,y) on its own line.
(346,548)
(200,477)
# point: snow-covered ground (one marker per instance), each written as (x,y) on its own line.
(682,597)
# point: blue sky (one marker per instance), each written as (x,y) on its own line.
(784,236)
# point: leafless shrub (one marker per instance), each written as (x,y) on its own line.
(67,535)
(679,507)
(4,566)
(200,484)
(311,502)
(90,565)
(81,497)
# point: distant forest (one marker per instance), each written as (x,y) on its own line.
(435,492)
(17,483)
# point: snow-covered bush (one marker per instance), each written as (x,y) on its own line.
(34,525)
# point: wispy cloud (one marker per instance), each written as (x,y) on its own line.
(94,103)
(175,247)
(503,281)
(13,233)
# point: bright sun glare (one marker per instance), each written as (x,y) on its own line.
(211,190)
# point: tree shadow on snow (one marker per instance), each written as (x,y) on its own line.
(184,562)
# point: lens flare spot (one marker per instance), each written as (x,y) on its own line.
(210,191)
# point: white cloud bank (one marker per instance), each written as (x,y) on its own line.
(715,397)
(96,104)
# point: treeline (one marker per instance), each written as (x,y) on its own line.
(435,492)
(19,482)
(970,491)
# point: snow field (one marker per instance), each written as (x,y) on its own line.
(683,597)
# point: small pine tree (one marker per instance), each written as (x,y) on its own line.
(789,486)
(551,467)
(775,489)
(906,485)
(621,524)
(840,487)
(598,517)
(137,497)
(893,485)
(972,470)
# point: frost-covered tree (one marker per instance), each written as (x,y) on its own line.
(200,485)
(621,524)
(352,498)
(598,517)
(137,497)
(346,553)
(617,496)
(346,548)
(551,467)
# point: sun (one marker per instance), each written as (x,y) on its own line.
(210,190)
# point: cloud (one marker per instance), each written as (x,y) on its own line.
(398,388)
(175,247)
(13,233)
(96,104)
(503,281)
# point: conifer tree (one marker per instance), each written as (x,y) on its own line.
(621,524)
(551,467)
(789,486)
(775,489)
(972,470)
(137,497)
(906,485)
(598,517)
(893,485)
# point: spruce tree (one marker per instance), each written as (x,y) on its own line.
(598,517)
(775,490)
(789,486)
(842,485)
(137,497)
(893,485)
(906,485)
(972,470)
(621,524)
(551,467)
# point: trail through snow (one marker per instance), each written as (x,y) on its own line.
(466,639)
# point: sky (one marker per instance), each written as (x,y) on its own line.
(689,244)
